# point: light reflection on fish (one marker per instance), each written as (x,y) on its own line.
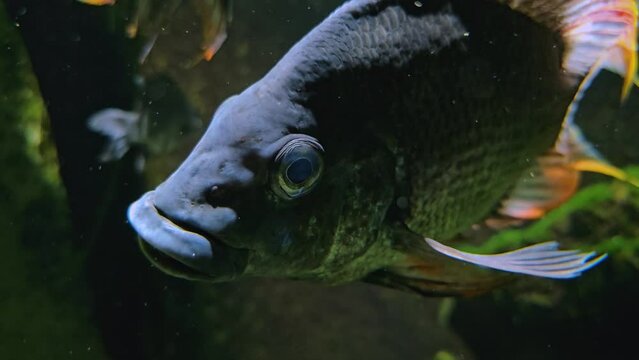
(390,125)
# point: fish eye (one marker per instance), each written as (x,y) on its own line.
(298,167)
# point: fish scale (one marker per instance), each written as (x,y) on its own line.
(447,193)
(444,183)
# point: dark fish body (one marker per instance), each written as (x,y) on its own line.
(450,122)
(475,94)
(427,113)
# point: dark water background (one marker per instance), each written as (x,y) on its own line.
(73,283)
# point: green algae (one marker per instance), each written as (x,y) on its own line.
(43,304)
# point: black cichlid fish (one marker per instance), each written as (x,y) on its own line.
(391,124)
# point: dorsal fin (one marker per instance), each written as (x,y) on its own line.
(598,34)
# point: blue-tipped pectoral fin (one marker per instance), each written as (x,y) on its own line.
(541,260)
(434,269)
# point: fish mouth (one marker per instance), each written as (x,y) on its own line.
(183,252)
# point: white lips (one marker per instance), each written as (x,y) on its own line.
(185,246)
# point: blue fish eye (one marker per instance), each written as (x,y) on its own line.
(299,171)
(298,168)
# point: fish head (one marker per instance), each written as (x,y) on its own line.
(268,192)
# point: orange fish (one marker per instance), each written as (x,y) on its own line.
(98,2)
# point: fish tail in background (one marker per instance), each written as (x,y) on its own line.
(217,16)
(598,34)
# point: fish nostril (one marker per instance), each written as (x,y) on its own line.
(216,195)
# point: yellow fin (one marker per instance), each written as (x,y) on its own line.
(601,167)
(582,156)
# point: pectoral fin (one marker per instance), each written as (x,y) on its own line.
(433,269)
(542,260)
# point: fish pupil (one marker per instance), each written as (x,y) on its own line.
(299,171)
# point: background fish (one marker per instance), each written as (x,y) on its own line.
(155,20)
(379,129)
(157,125)
(98,2)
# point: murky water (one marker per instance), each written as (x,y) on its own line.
(76,285)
